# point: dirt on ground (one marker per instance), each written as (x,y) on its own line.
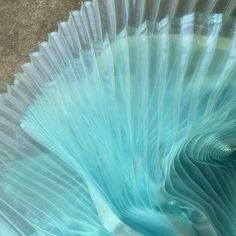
(23,24)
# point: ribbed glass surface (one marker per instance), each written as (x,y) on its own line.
(124,123)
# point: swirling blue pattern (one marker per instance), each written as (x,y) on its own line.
(124,123)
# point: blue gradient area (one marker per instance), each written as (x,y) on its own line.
(123,126)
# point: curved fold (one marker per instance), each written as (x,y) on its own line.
(123,123)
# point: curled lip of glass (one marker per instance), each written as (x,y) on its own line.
(124,124)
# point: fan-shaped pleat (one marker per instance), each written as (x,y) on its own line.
(123,123)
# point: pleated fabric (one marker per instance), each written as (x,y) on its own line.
(124,123)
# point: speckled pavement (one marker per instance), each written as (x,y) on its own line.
(23,24)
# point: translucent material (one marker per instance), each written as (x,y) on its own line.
(124,123)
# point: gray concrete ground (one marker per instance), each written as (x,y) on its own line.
(24,23)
